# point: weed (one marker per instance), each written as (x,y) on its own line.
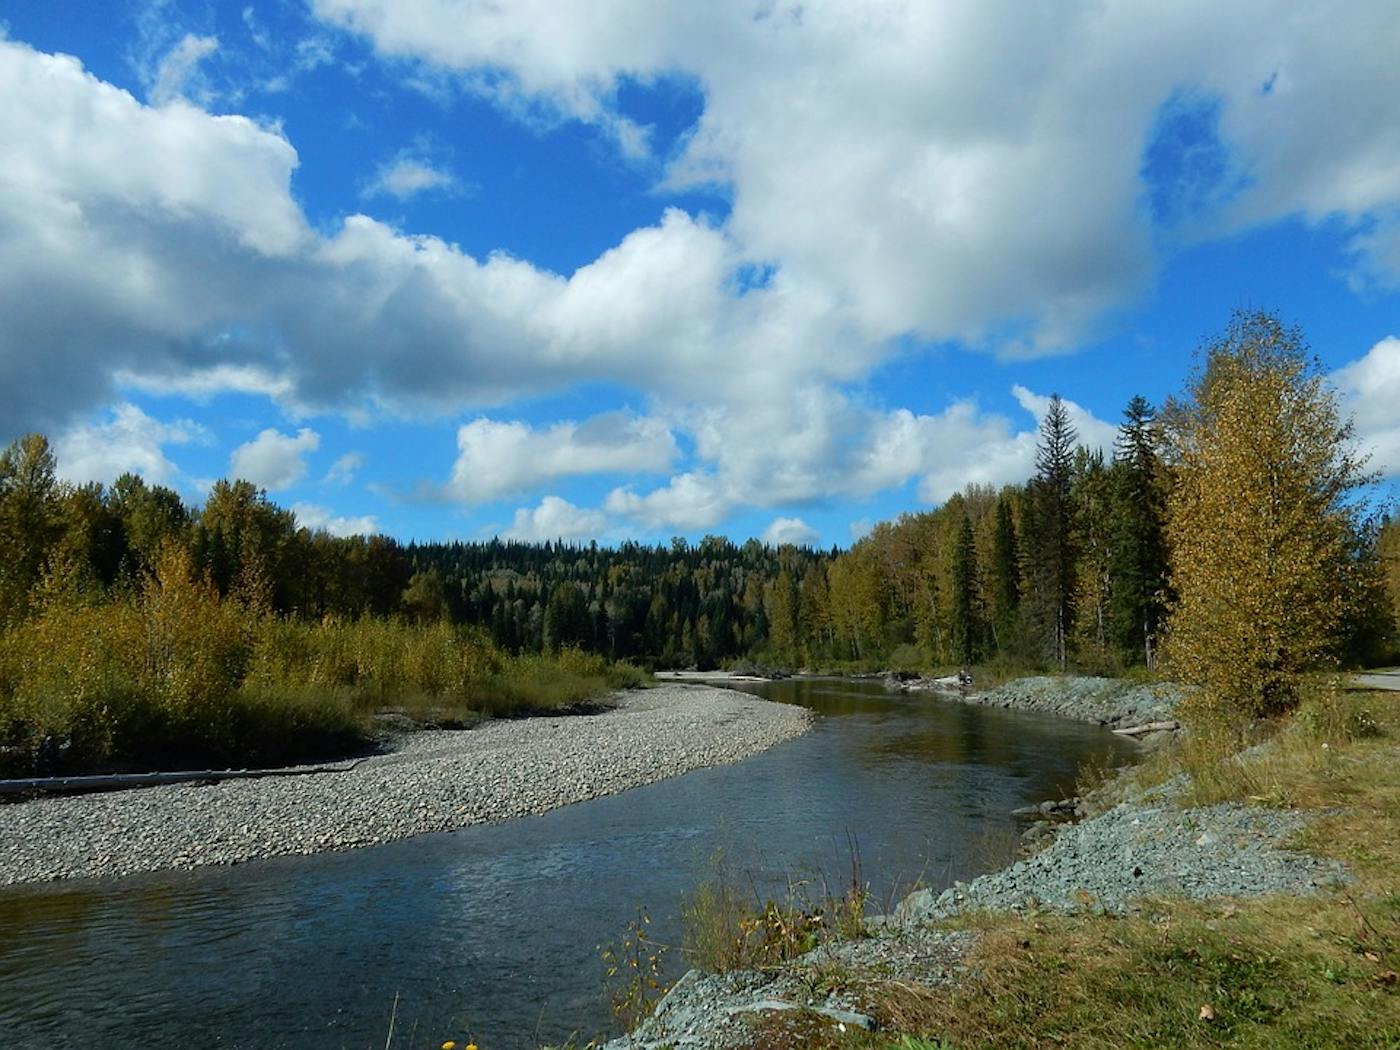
(632,972)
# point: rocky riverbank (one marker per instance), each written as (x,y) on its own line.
(1140,849)
(1084,698)
(1143,848)
(431,781)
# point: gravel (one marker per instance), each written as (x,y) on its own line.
(1106,701)
(434,781)
(718,1011)
(1144,849)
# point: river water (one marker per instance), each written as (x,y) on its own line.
(492,933)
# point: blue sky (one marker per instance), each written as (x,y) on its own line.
(450,269)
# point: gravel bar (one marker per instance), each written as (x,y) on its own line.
(1143,849)
(1105,701)
(435,781)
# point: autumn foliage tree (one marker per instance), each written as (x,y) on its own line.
(1261,522)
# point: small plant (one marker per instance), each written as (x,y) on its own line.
(632,972)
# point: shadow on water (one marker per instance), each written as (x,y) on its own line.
(492,932)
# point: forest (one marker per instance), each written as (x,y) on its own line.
(1079,566)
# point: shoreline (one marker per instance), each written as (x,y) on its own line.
(433,781)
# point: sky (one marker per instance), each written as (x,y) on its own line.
(635,269)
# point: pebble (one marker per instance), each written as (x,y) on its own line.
(437,780)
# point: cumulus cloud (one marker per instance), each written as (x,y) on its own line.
(129,440)
(313,516)
(161,246)
(951,206)
(820,446)
(790,530)
(274,460)
(1370,388)
(556,519)
(495,458)
(408,176)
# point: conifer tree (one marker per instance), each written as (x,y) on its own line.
(964,617)
(1137,542)
(1049,537)
(1005,583)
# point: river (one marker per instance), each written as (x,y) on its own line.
(492,932)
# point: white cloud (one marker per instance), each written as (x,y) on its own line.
(173,76)
(273,460)
(1093,434)
(407,176)
(162,247)
(860,528)
(313,516)
(1370,388)
(343,470)
(690,501)
(129,440)
(556,519)
(495,458)
(977,167)
(790,530)
(203,384)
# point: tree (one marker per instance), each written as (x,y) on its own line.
(1050,537)
(964,619)
(30,520)
(1005,583)
(1260,521)
(1137,549)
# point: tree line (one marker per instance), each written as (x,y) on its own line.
(1242,487)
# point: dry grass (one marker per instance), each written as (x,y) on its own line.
(1275,972)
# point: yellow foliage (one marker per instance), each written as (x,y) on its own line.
(1258,524)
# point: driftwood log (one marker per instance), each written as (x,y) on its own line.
(117,781)
(1148,727)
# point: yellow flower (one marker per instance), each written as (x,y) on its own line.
(449,1045)
(471,1046)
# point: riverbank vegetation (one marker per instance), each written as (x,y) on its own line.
(172,674)
(1253,570)
(1103,561)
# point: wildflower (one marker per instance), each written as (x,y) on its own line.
(449,1045)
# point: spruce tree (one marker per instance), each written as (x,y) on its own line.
(964,619)
(1050,539)
(1137,542)
(1005,583)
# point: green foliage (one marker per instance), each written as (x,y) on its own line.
(1137,547)
(1050,599)
(965,616)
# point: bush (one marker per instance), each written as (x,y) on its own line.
(175,676)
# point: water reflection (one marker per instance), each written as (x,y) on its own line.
(493,931)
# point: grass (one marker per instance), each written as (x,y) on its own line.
(729,925)
(176,677)
(1272,972)
(1314,972)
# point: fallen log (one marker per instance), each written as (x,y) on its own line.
(1148,727)
(118,781)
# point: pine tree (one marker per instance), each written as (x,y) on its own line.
(1049,537)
